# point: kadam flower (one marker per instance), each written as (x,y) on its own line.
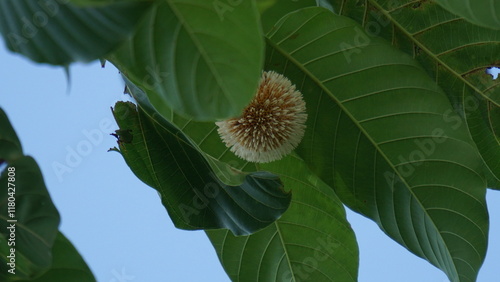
(271,126)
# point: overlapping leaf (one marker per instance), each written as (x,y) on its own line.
(161,156)
(225,165)
(454,52)
(396,162)
(58,33)
(201,58)
(311,242)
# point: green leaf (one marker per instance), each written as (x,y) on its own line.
(454,52)
(162,157)
(483,13)
(396,162)
(273,10)
(67,264)
(58,33)
(10,146)
(225,165)
(201,58)
(37,219)
(311,242)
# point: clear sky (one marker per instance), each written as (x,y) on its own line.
(118,223)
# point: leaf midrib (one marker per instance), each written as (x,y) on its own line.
(202,51)
(426,50)
(363,131)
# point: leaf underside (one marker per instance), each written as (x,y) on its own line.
(60,33)
(311,242)
(454,52)
(203,61)
(382,161)
(162,157)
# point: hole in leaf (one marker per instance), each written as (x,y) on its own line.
(493,71)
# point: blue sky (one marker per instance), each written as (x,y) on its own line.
(118,223)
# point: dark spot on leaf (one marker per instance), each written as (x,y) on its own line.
(416,50)
(418,4)
(123,136)
(373,8)
(294,36)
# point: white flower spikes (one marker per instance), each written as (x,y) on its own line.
(271,126)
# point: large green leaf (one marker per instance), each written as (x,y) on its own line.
(311,242)
(58,33)
(67,264)
(225,165)
(454,52)
(377,134)
(33,223)
(161,156)
(202,58)
(485,13)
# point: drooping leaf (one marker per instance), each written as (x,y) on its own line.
(396,162)
(225,165)
(311,242)
(484,13)
(454,52)
(59,33)
(201,58)
(67,264)
(162,157)
(33,223)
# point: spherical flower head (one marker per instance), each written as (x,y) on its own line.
(271,126)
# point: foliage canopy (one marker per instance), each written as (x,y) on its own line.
(403,126)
